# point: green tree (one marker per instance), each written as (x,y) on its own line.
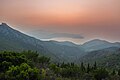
(63,65)
(95,66)
(113,72)
(82,67)
(88,68)
(8,59)
(44,60)
(119,72)
(4,66)
(22,72)
(30,55)
(101,73)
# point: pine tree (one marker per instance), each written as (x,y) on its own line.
(72,64)
(119,72)
(58,65)
(62,65)
(95,66)
(101,74)
(88,68)
(82,67)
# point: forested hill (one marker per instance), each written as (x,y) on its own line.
(30,65)
(23,57)
(109,57)
(14,40)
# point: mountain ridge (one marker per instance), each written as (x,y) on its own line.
(98,44)
(14,40)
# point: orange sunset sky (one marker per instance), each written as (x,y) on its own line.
(72,20)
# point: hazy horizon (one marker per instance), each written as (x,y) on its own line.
(62,39)
(64,20)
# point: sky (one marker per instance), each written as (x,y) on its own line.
(71,20)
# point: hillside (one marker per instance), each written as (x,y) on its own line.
(14,40)
(98,44)
(30,65)
(109,57)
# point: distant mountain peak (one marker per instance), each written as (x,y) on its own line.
(5,29)
(4,25)
(96,41)
(98,44)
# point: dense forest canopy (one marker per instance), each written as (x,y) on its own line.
(29,65)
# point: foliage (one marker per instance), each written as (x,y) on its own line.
(22,72)
(101,73)
(29,65)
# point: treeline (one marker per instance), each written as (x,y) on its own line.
(29,65)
